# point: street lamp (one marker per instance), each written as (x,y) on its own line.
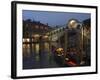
(72,24)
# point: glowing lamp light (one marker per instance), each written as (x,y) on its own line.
(45,36)
(26,40)
(36,35)
(23,40)
(59,49)
(72,24)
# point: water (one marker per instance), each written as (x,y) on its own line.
(38,59)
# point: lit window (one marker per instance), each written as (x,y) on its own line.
(26,40)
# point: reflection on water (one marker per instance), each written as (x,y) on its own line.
(39,57)
(46,46)
(35,49)
(26,50)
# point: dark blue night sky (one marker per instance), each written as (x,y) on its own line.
(54,18)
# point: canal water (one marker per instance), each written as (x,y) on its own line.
(40,57)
